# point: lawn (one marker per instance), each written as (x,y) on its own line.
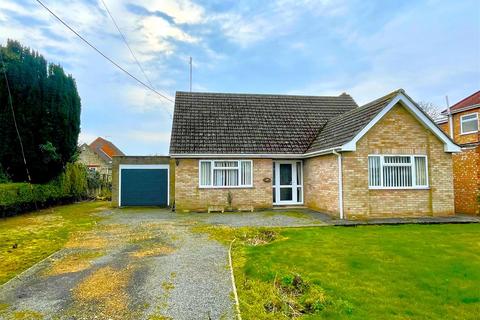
(370,272)
(27,239)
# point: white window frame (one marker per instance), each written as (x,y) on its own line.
(461,122)
(212,168)
(412,165)
(294,186)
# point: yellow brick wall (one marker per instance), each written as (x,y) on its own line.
(321,184)
(189,197)
(398,133)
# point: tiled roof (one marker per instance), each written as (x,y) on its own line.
(105,149)
(220,123)
(471,100)
(343,128)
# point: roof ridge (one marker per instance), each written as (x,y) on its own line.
(343,95)
(465,98)
(388,95)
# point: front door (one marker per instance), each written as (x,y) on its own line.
(287,182)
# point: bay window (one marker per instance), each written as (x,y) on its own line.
(397,172)
(225,173)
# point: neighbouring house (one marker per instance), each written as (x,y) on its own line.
(461,121)
(386,158)
(98,155)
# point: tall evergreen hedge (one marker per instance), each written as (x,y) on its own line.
(47,108)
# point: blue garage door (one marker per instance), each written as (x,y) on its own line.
(144,187)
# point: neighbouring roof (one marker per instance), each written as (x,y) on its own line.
(467,103)
(105,149)
(222,124)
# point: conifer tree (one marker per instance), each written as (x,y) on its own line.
(47,109)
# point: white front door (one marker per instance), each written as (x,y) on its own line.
(287,182)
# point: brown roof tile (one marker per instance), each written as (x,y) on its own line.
(221,123)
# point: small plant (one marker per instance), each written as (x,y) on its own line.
(293,296)
(229,199)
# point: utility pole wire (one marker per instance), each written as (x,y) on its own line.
(103,55)
(130,49)
(126,43)
(10,100)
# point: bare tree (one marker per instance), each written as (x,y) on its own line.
(431,109)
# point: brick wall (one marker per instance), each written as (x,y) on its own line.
(463,138)
(466,167)
(189,197)
(90,159)
(398,133)
(466,174)
(321,184)
(117,160)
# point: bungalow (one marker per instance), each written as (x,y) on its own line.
(384,159)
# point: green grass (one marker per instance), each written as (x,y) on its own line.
(41,233)
(371,272)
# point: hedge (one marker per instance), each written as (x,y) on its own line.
(70,186)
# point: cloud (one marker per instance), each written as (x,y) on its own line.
(157,34)
(182,11)
(248,25)
(139,99)
(410,50)
(149,136)
(86,137)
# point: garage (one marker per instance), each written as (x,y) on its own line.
(143,185)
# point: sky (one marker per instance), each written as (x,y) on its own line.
(325,47)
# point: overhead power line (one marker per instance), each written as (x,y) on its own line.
(126,43)
(104,55)
(129,48)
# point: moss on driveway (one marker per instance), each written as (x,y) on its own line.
(27,239)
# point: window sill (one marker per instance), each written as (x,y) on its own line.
(226,187)
(399,188)
(467,133)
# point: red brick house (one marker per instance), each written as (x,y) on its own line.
(462,123)
(383,159)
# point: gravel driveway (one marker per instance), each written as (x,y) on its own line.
(136,264)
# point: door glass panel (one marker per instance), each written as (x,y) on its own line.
(286,194)
(299,194)
(299,173)
(285,174)
(274,195)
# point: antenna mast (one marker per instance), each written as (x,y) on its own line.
(190,74)
(450,119)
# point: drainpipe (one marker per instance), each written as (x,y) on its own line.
(340,183)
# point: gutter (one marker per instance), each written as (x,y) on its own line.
(340,184)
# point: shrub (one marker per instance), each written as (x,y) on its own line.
(97,187)
(70,186)
(3,175)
